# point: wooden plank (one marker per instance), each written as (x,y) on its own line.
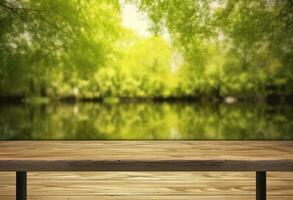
(149,188)
(135,189)
(144,198)
(127,185)
(145,176)
(161,189)
(146,156)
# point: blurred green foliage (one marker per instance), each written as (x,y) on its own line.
(44,44)
(80,49)
(182,121)
(233,47)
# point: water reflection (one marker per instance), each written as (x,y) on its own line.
(145,121)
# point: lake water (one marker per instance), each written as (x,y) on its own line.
(146,121)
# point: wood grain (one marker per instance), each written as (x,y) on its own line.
(146,184)
(143,198)
(145,176)
(146,156)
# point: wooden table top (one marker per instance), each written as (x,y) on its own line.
(146,155)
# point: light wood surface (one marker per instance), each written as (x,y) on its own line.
(146,156)
(147,186)
(142,198)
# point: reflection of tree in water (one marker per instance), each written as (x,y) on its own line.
(145,121)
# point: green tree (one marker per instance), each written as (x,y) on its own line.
(38,37)
(253,37)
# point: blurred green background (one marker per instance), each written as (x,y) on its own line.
(146,121)
(148,69)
